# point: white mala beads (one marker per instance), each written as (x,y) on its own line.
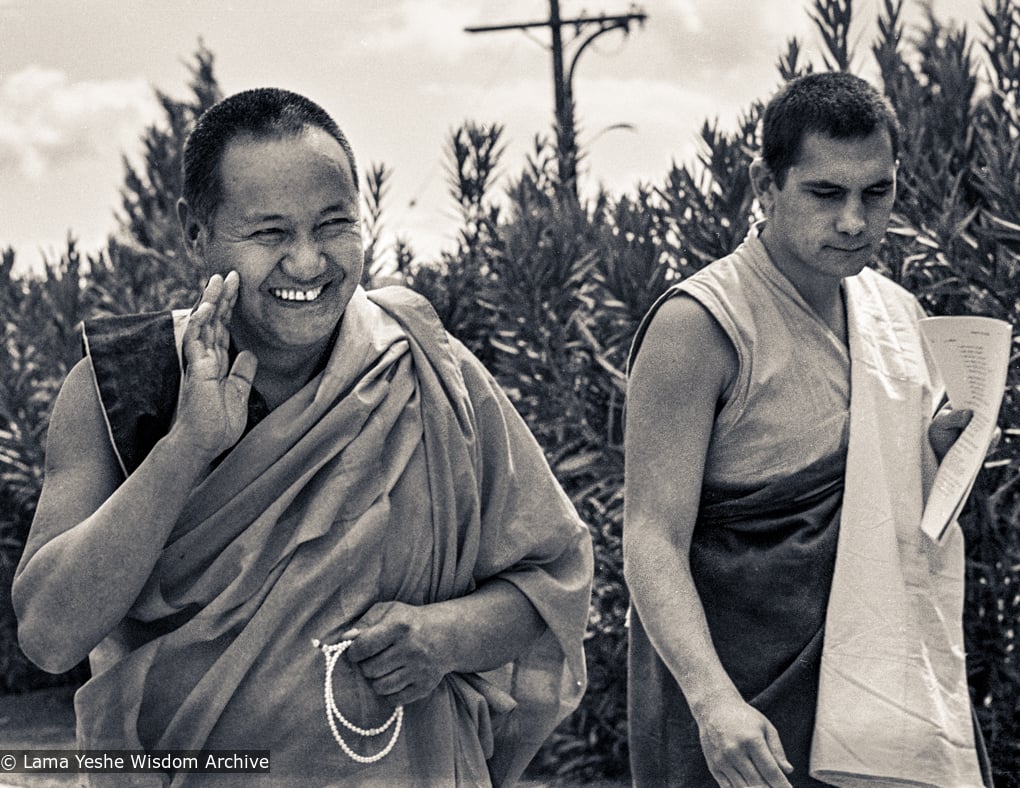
(396,720)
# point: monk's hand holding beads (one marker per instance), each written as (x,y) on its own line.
(214,394)
(399,650)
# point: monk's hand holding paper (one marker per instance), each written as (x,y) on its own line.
(946,427)
(399,650)
(214,395)
(742,747)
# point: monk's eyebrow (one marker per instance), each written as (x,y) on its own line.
(258,218)
(821,183)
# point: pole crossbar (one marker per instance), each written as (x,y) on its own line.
(566,142)
(606,18)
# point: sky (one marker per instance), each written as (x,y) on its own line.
(77,86)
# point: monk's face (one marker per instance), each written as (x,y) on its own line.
(288,223)
(830,215)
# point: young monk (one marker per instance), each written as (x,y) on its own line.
(780,411)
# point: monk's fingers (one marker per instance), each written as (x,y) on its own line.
(756,765)
(381,664)
(242,373)
(722,775)
(209,333)
(400,689)
(776,752)
(231,285)
(212,295)
(391,683)
(946,427)
(411,665)
(952,421)
(756,762)
(959,419)
(213,289)
(370,642)
(742,773)
(195,334)
(199,316)
(225,307)
(766,770)
(383,625)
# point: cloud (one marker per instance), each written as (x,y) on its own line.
(742,36)
(687,13)
(411,24)
(47,122)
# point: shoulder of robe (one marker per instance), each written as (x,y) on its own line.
(137,372)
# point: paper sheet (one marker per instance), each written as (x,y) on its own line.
(972,355)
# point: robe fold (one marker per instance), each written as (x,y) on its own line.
(774,509)
(894,706)
(400,472)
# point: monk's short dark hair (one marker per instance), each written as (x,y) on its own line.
(836,104)
(262,113)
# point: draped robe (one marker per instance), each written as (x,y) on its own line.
(409,477)
(764,547)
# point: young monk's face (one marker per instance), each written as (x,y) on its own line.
(830,215)
(288,223)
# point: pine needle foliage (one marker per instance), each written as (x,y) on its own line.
(377,185)
(149,195)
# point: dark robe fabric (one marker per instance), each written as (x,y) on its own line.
(399,472)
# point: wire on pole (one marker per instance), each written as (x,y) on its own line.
(566,142)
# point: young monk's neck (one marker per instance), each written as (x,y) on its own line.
(829,304)
(823,293)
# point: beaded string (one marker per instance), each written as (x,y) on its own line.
(396,720)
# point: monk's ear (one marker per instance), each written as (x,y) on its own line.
(763,182)
(192,231)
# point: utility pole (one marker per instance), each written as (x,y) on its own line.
(586,30)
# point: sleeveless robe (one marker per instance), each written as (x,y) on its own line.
(768,537)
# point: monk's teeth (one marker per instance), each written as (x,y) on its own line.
(292,294)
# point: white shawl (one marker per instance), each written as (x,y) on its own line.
(893,702)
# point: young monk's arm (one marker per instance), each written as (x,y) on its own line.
(94,540)
(684,368)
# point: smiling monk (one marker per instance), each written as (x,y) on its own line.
(300,517)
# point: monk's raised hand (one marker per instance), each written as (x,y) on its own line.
(214,394)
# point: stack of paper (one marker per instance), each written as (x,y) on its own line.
(972,355)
